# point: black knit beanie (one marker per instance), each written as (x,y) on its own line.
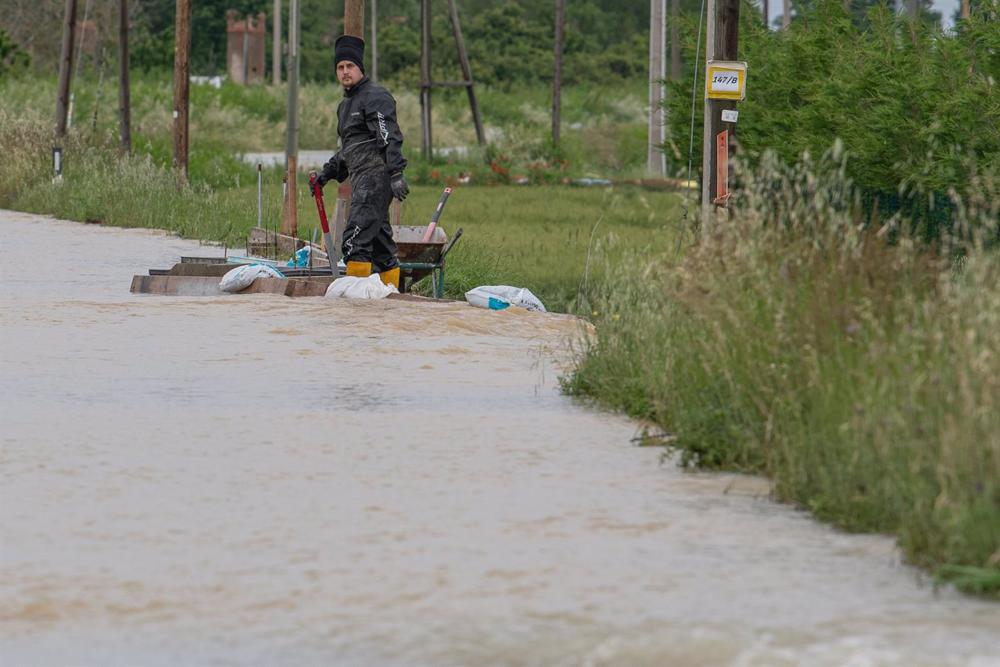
(349,47)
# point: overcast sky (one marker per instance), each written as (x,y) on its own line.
(946,7)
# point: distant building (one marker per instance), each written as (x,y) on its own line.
(246,38)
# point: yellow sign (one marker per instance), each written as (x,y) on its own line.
(726,80)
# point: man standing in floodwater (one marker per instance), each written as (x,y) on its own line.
(371,154)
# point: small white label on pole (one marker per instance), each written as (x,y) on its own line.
(176,114)
(730,115)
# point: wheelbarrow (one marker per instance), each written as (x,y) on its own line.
(418,259)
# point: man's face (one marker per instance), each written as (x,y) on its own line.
(348,73)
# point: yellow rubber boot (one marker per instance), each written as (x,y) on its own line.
(359,269)
(390,277)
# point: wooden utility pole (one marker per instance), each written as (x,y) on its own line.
(354,18)
(276,45)
(124,93)
(965,9)
(182,85)
(426,141)
(786,14)
(374,44)
(767,12)
(675,40)
(463,59)
(721,43)
(290,210)
(912,8)
(656,159)
(65,67)
(557,75)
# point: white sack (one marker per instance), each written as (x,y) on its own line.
(354,287)
(243,276)
(498,297)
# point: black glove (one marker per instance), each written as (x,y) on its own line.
(320,181)
(399,187)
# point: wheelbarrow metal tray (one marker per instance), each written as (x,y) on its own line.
(409,241)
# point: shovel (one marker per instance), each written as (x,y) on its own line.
(331,250)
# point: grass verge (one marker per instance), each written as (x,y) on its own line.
(863,376)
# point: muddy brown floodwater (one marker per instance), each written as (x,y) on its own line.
(264,480)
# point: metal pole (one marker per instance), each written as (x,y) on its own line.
(65,67)
(260,198)
(426,142)
(290,219)
(557,74)
(182,84)
(656,159)
(374,44)
(124,92)
(276,45)
(707,144)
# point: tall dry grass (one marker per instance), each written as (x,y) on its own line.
(857,367)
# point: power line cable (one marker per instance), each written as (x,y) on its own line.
(694,89)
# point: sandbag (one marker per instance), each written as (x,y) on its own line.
(498,297)
(243,276)
(354,287)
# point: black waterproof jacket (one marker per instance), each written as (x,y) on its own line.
(369,133)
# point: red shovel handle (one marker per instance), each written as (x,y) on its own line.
(320,207)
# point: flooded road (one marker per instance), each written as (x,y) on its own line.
(264,480)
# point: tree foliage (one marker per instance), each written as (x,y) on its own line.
(13,58)
(913,105)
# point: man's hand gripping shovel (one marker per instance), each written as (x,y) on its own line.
(331,250)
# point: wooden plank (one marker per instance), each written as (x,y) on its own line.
(176,285)
(209,286)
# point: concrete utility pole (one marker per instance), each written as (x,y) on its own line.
(426,141)
(374,44)
(656,159)
(65,67)
(182,85)
(722,43)
(912,8)
(276,45)
(290,211)
(557,74)
(124,93)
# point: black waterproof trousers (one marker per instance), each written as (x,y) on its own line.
(368,235)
